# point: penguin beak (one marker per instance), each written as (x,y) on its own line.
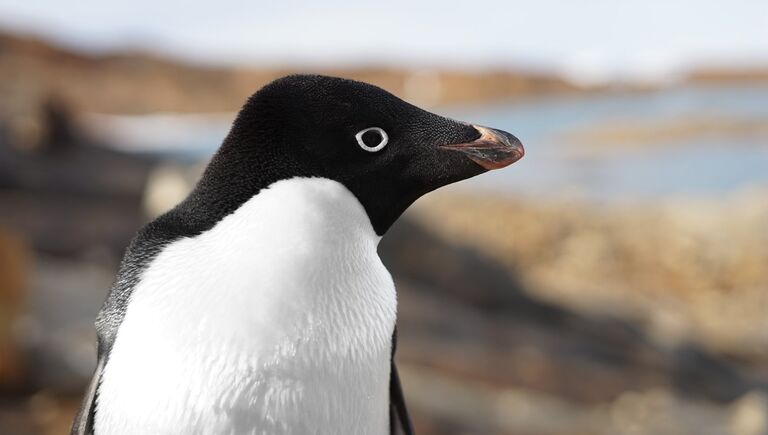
(494,149)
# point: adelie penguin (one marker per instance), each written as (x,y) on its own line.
(259,305)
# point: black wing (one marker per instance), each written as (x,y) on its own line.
(144,247)
(399,421)
(83,424)
(185,220)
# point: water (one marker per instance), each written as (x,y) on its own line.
(701,166)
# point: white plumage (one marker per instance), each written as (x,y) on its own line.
(278,320)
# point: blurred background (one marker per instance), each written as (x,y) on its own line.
(615,281)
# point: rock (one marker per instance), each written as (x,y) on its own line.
(14,259)
(749,415)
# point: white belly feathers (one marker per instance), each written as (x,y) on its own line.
(278,320)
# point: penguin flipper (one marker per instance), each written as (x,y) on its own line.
(399,421)
(83,423)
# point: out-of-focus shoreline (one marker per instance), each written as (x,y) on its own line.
(131,82)
(621,135)
(134,82)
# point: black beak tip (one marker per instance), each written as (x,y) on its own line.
(498,148)
(511,141)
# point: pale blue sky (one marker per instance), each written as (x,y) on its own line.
(587,37)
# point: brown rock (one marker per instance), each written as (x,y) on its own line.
(14,259)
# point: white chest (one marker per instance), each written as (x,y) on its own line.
(276,321)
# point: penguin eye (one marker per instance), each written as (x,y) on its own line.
(372,139)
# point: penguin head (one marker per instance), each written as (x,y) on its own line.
(386,151)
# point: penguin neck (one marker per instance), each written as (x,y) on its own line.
(232,178)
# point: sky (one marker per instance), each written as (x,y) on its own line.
(586,39)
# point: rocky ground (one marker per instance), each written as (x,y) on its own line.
(557,317)
(687,270)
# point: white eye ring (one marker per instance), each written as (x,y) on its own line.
(382,144)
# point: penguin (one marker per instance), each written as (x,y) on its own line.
(259,304)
